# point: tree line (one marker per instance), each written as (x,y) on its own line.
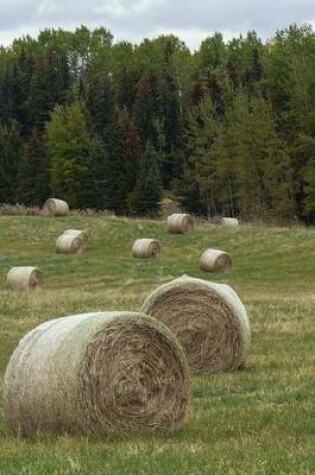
(228,129)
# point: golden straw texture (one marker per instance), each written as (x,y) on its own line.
(106,372)
(146,248)
(56,207)
(230,222)
(25,278)
(214,260)
(208,319)
(179,223)
(69,244)
(81,234)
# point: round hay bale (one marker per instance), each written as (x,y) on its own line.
(81,234)
(230,222)
(208,319)
(25,278)
(179,223)
(146,248)
(56,207)
(214,260)
(105,372)
(69,244)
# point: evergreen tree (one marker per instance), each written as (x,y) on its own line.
(49,86)
(10,146)
(148,192)
(100,105)
(199,183)
(69,144)
(132,154)
(148,111)
(33,174)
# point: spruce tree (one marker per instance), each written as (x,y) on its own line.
(149,188)
(33,174)
(10,149)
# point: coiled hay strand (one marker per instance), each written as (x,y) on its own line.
(146,248)
(56,207)
(25,278)
(214,260)
(83,235)
(208,319)
(179,223)
(104,372)
(230,222)
(69,244)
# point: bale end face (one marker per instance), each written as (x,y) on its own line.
(97,373)
(146,249)
(56,207)
(180,223)
(208,319)
(83,235)
(214,260)
(25,278)
(70,244)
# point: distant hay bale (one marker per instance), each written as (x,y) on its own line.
(83,235)
(25,278)
(208,319)
(70,244)
(179,223)
(230,222)
(214,260)
(56,207)
(146,248)
(96,373)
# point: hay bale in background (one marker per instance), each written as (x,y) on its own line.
(214,260)
(56,207)
(146,248)
(208,319)
(96,373)
(25,278)
(230,222)
(69,244)
(81,234)
(179,223)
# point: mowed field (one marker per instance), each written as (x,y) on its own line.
(260,420)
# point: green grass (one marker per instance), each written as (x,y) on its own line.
(260,420)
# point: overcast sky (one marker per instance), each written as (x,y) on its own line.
(132,20)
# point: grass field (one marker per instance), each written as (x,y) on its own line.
(260,420)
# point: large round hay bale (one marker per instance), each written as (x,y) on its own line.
(69,244)
(83,235)
(25,278)
(146,248)
(208,319)
(179,223)
(96,373)
(214,260)
(56,207)
(230,222)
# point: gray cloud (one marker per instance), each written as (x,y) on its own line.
(135,19)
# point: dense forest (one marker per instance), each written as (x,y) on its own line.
(228,129)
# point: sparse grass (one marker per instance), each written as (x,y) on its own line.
(260,420)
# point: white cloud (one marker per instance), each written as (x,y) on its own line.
(133,20)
